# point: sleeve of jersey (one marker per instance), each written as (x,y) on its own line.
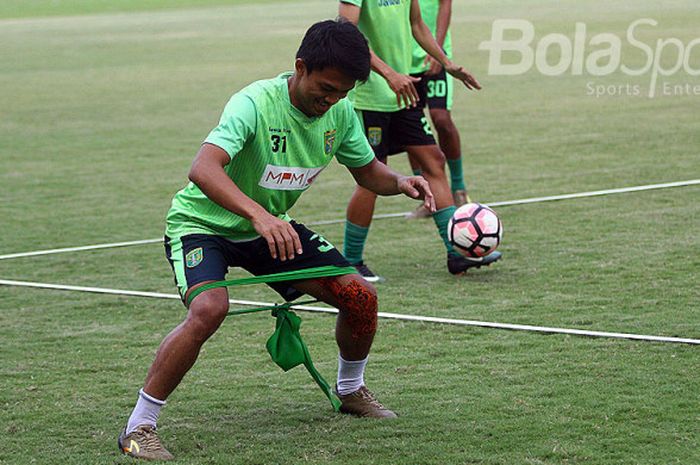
(236,126)
(354,150)
(353,2)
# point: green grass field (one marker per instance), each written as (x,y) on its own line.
(102,108)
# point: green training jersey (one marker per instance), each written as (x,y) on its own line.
(276,154)
(429,12)
(387,26)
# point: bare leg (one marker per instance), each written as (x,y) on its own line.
(415,166)
(432,162)
(448,135)
(361,207)
(179,350)
(356,301)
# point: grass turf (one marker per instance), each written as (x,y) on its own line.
(102,116)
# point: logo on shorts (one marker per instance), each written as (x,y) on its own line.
(194,257)
(374,136)
(328,140)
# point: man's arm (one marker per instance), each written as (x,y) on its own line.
(382,180)
(208,174)
(443,21)
(444,16)
(425,39)
(401,84)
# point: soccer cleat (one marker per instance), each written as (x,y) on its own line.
(362,403)
(143,443)
(458,264)
(367,274)
(419,213)
(460,197)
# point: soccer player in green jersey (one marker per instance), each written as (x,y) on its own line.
(274,138)
(440,89)
(392,113)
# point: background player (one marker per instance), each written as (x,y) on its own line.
(273,139)
(439,88)
(390,109)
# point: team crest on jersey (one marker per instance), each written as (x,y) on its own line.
(194,257)
(374,136)
(328,140)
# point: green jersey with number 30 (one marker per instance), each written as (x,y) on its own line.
(276,153)
(429,12)
(387,26)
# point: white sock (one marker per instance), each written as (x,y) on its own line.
(351,375)
(145,412)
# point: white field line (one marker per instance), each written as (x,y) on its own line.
(578,195)
(393,316)
(80,248)
(621,190)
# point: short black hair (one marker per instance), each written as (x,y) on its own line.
(336,44)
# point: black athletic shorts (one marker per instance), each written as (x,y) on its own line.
(390,132)
(196,258)
(439,90)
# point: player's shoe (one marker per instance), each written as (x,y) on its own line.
(143,443)
(419,213)
(362,403)
(460,197)
(367,274)
(458,264)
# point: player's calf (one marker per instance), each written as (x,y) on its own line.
(432,162)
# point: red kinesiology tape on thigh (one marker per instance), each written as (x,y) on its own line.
(358,304)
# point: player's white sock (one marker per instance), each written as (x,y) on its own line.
(145,413)
(351,375)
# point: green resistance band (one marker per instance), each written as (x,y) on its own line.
(286,347)
(299,275)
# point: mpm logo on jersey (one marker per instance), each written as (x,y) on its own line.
(287,178)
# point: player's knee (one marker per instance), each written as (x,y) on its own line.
(358,303)
(207,312)
(442,121)
(363,194)
(356,300)
(433,162)
(362,294)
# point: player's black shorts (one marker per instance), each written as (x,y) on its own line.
(439,89)
(390,132)
(196,258)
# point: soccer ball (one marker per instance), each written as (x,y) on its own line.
(474,230)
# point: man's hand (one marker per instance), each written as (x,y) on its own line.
(463,75)
(281,237)
(434,66)
(417,187)
(402,85)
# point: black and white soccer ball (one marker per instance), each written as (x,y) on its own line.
(474,230)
